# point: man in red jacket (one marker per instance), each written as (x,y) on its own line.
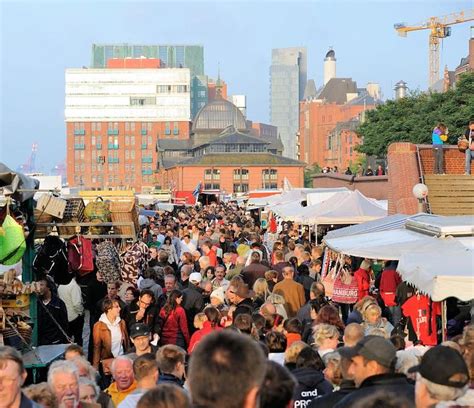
(209,252)
(389,281)
(362,276)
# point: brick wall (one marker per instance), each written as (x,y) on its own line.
(373,187)
(453,160)
(403,175)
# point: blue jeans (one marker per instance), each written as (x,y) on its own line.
(469,157)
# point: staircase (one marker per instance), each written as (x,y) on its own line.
(450,194)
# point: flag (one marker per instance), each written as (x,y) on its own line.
(197,190)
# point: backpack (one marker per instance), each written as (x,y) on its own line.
(51,259)
(97,211)
(79,255)
(107,261)
(134,262)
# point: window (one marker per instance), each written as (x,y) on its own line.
(149,126)
(208,174)
(98,126)
(270,174)
(201,94)
(127,140)
(127,126)
(132,140)
(175,128)
(142,101)
(127,154)
(93,126)
(93,140)
(132,126)
(150,140)
(241,188)
(132,154)
(167,128)
(241,174)
(212,186)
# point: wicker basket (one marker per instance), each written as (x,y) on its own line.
(74,212)
(124,211)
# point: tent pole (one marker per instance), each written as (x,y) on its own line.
(443,321)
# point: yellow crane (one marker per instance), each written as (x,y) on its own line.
(439,28)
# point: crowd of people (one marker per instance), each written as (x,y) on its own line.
(227,315)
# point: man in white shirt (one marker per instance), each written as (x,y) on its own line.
(71,295)
(187,245)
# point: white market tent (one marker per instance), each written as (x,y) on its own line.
(430,258)
(287,210)
(350,207)
(296,194)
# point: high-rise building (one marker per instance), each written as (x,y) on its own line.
(288,75)
(114,118)
(170,56)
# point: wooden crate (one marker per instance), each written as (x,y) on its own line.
(74,212)
(51,205)
(42,218)
(124,211)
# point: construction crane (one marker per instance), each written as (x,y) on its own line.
(439,29)
(30,166)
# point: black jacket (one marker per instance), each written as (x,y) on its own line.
(151,317)
(329,400)
(396,383)
(311,384)
(244,307)
(193,303)
(48,330)
(170,379)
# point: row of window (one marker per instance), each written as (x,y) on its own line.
(240,174)
(238,188)
(166,89)
(146,127)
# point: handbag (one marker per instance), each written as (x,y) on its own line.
(345,288)
(463,144)
(79,255)
(97,212)
(329,279)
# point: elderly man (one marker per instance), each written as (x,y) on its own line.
(227,370)
(442,375)
(293,292)
(124,382)
(63,380)
(12,378)
(372,363)
(145,370)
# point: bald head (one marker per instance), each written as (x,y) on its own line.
(268,309)
(352,334)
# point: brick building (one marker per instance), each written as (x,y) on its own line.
(222,155)
(114,118)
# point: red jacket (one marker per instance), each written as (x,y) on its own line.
(389,282)
(198,335)
(212,258)
(173,324)
(363,282)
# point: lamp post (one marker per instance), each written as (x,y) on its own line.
(420,191)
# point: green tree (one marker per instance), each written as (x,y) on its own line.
(413,118)
(309,173)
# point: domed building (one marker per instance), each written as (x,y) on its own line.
(222,156)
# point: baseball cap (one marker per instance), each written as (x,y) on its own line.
(195,277)
(444,366)
(374,348)
(139,329)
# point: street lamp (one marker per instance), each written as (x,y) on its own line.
(420,191)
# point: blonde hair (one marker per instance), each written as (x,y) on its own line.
(42,394)
(323,332)
(199,320)
(369,309)
(260,287)
(276,299)
(366,265)
(362,304)
(292,352)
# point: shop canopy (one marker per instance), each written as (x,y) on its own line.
(313,195)
(287,210)
(435,253)
(349,207)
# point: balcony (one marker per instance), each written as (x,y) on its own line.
(144,146)
(147,172)
(79,132)
(113,146)
(98,146)
(79,146)
(112,132)
(144,132)
(113,160)
(147,159)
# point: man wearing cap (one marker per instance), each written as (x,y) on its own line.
(193,302)
(372,368)
(240,295)
(140,336)
(292,291)
(441,376)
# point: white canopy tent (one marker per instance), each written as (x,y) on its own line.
(437,264)
(349,207)
(287,210)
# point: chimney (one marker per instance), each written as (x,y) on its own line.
(329,66)
(400,89)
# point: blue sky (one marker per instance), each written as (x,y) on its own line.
(39,40)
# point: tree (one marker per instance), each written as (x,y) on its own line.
(309,173)
(413,118)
